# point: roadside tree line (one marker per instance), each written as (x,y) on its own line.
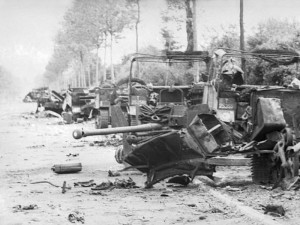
(89,26)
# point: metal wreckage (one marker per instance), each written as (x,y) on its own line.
(189,130)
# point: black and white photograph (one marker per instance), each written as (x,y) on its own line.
(142,112)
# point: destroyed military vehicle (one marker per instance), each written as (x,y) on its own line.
(36,94)
(192,129)
(51,102)
(79,102)
(107,96)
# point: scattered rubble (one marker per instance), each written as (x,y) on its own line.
(104,186)
(109,142)
(274,210)
(36,146)
(74,155)
(64,187)
(89,183)
(183,180)
(228,188)
(48,113)
(129,183)
(19,208)
(94,192)
(118,183)
(113,174)
(76,217)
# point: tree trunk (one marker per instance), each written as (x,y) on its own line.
(97,67)
(137,36)
(189,26)
(104,58)
(112,75)
(89,76)
(195,41)
(242,39)
(82,74)
(78,79)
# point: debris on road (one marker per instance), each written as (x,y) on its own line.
(126,184)
(67,117)
(48,113)
(228,188)
(67,168)
(36,146)
(109,142)
(64,186)
(182,180)
(97,193)
(46,182)
(113,174)
(215,210)
(274,210)
(76,217)
(202,217)
(19,208)
(164,195)
(74,155)
(77,146)
(104,186)
(89,183)
(266,187)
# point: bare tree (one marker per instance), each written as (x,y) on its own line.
(242,39)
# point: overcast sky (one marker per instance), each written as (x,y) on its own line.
(27,27)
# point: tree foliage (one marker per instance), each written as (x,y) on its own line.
(272,34)
(84,28)
(229,38)
(170,42)
(180,12)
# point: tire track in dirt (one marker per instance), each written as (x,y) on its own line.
(249,212)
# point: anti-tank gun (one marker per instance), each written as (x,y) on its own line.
(164,148)
(166,137)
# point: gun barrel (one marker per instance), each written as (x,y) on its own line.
(77,134)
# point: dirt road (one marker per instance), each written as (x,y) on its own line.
(30,146)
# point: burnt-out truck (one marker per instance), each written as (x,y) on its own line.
(107,96)
(192,129)
(79,103)
(51,102)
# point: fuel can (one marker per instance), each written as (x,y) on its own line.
(67,168)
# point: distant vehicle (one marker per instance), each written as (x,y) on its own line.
(52,102)
(79,102)
(36,94)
